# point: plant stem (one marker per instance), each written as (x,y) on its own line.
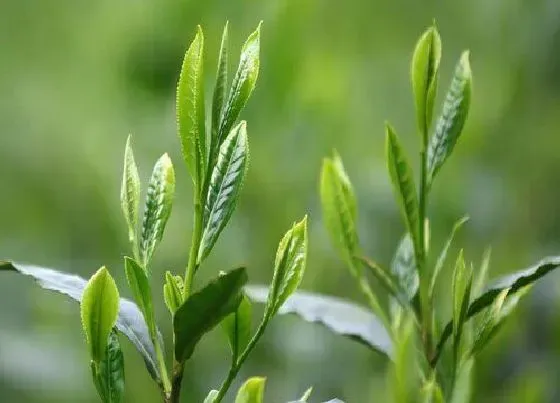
(162,367)
(236,365)
(195,246)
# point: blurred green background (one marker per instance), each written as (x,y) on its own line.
(76,77)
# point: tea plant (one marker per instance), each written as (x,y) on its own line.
(217,160)
(431,361)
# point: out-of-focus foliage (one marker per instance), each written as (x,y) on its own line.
(77,77)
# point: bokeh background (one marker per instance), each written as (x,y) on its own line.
(76,77)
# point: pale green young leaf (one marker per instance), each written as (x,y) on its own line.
(404,374)
(108,375)
(212,395)
(252,391)
(338,315)
(289,266)
(190,110)
(130,193)
(461,293)
(405,272)
(450,123)
(243,84)
(482,274)
(225,184)
(238,328)
(339,210)
(173,292)
(403,183)
(442,258)
(424,74)
(306,395)
(431,392)
(159,201)
(141,291)
(204,309)
(489,322)
(99,310)
(220,89)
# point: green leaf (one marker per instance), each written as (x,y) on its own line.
(461,294)
(243,83)
(404,372)
(141,291)
(225,184)
(130,321)
(220,89)
(130,193)
(462,391)
(159,201)
(490,320)
(109,374)
(238,328)
(190,110)
(211,396)
(404,268)
(424,73)
(432,393)
(403,183)
(203,310)
(338,315)
(99,310)
(482,274)
(173,292)
(252,391)
(452,119)
(339,209)
(289,266)
(514,282)
(387,280)
(443,255)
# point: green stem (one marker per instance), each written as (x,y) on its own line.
(162,367)
(373,303)
(195,246)
(236,365)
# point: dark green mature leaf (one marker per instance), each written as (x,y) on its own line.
(159,201)
(340,316)
(403,183)
(452,119)
(141,290)
(220,89)
(109,374)
(339,209)
(252,391)
(238,327)
(190,110)
(99,310)
(443,255)
(289,266)
(130,321)
(424,74)
(225,184)
(243,83)
(173,292)
(514,282)
(203,310)
(130,192)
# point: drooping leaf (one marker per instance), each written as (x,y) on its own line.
(339,209)
(99,310)
(141,291)
(109,374)
(252,391)
(424,74)
(190,110)
(204,309)
(514,282)
(289,266)
(220,89)
(225,184)
(340,316)
(212,395)
(443,255)
(243,83)
(130,193)
(403,183)
(173,292)
(238,327)
(130,321)
(461,294)
(450,123)
(159,201)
